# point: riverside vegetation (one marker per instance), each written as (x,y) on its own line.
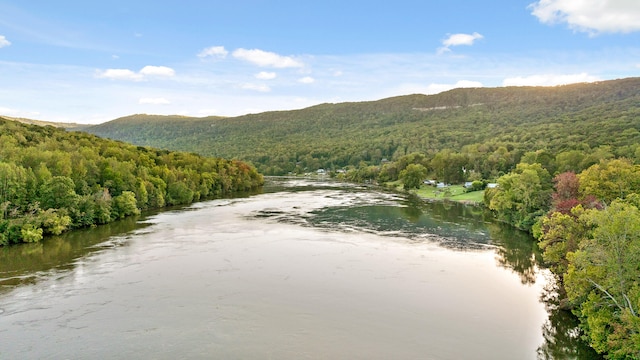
(52,180)
(566,160)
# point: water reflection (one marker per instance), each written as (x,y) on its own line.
(561,332)
(516,250)
(25,263)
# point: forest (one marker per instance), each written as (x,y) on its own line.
(52,180)
(486,130)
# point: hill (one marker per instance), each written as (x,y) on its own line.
(519,119)
(68,126)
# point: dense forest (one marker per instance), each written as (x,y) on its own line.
(52,180)
(486,130)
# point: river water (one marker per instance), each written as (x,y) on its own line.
(303,270)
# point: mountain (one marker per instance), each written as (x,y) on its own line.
(68,126)
(555,119)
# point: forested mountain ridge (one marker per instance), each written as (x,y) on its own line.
(556,119)
(64,125)
(52,180)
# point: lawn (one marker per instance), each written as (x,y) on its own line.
(456,193)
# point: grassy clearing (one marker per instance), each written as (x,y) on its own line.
(456,193)
(431,192)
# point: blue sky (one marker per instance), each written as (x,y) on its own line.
(90,62)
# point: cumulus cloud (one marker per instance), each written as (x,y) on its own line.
(4,42)
(549,79)
(266,59)
(461,39)
(145,72)
(214,52)
(457,40)
(157,71)
(154,101)
(255,87)
(591,16)
(307,80)
(119,74)
(266,75)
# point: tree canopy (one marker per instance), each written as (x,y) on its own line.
(52,180)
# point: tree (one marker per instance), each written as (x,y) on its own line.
(603,278)
(413,175)
(58,192)
(522,195)
(124,205)
(561,234)
(610,180)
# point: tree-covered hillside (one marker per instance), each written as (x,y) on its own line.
(477,122)
(52,180)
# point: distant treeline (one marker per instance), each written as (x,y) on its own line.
(52,180)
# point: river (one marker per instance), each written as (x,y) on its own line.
(303,270)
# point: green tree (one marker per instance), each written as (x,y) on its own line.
(604,278)
(124,205)
(522,195)
(412,176)
(561,234)
(610,180)
(179,193)
(30,233)
(58,192)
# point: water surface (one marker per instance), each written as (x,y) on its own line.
(305,270)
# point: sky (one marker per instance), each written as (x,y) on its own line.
(94,61)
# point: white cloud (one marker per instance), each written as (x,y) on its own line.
(4,42)
(154,101)
(214,52)
(266,59)
(457,40)
(549,80)
(461,39)
(307,80)
(255,87)
(157,71)
(119,74)
(266,75)
(145,72)
(591,16)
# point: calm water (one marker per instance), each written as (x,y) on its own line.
(305,270)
